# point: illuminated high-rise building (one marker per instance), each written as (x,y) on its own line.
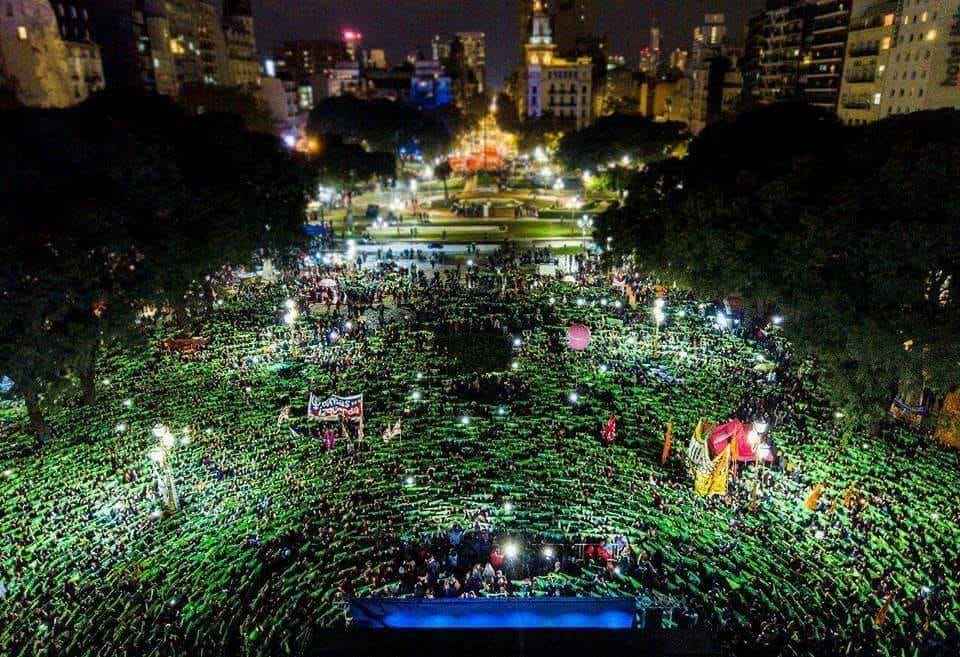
(553,86)
(352,41)
(475,56)
(243,66)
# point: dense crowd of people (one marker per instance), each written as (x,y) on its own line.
(498,484)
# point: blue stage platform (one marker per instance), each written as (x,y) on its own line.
(494,613)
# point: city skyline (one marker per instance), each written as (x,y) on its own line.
(624,22)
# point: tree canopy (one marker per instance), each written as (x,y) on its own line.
(381,125)
(200,99)
(124,203)
(344,164)
(853,234)
(612,137)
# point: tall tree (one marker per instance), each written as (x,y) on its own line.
(852,233)
(381,125)
(613,137)
(122,203)
(443,172)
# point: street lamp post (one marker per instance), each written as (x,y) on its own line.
(489,117)
(658,318)
(160,457)
(290,319)
(584,222)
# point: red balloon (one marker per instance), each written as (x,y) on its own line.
(578,337)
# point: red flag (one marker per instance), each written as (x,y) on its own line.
(610,431)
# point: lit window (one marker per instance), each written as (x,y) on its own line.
(22,33)
(923,17)
(888,20)
(876,98)
(885,43)
(931,35)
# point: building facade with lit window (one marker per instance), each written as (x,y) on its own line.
(825,44)
(34,59)
(557,87)
(243,65)
(777,37)
(163,66)
(475,56)
(430,86)
(212,45)
(923,70)
(75,20)
(345,78)
(131,50)
(869,44)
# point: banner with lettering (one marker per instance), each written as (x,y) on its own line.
(336,407)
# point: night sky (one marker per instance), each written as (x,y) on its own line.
(399,26)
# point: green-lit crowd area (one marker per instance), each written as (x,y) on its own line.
(501,429)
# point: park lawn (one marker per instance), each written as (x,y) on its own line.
(474,230)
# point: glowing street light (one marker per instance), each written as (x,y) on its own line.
(584,222)
(160,457)
(290,319)
(658,317)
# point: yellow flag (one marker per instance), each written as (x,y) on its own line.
(813,498)
(715,483)
(848,497)
(698,454)
(667,443)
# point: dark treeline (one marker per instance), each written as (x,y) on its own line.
(853,234)
(121,204)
